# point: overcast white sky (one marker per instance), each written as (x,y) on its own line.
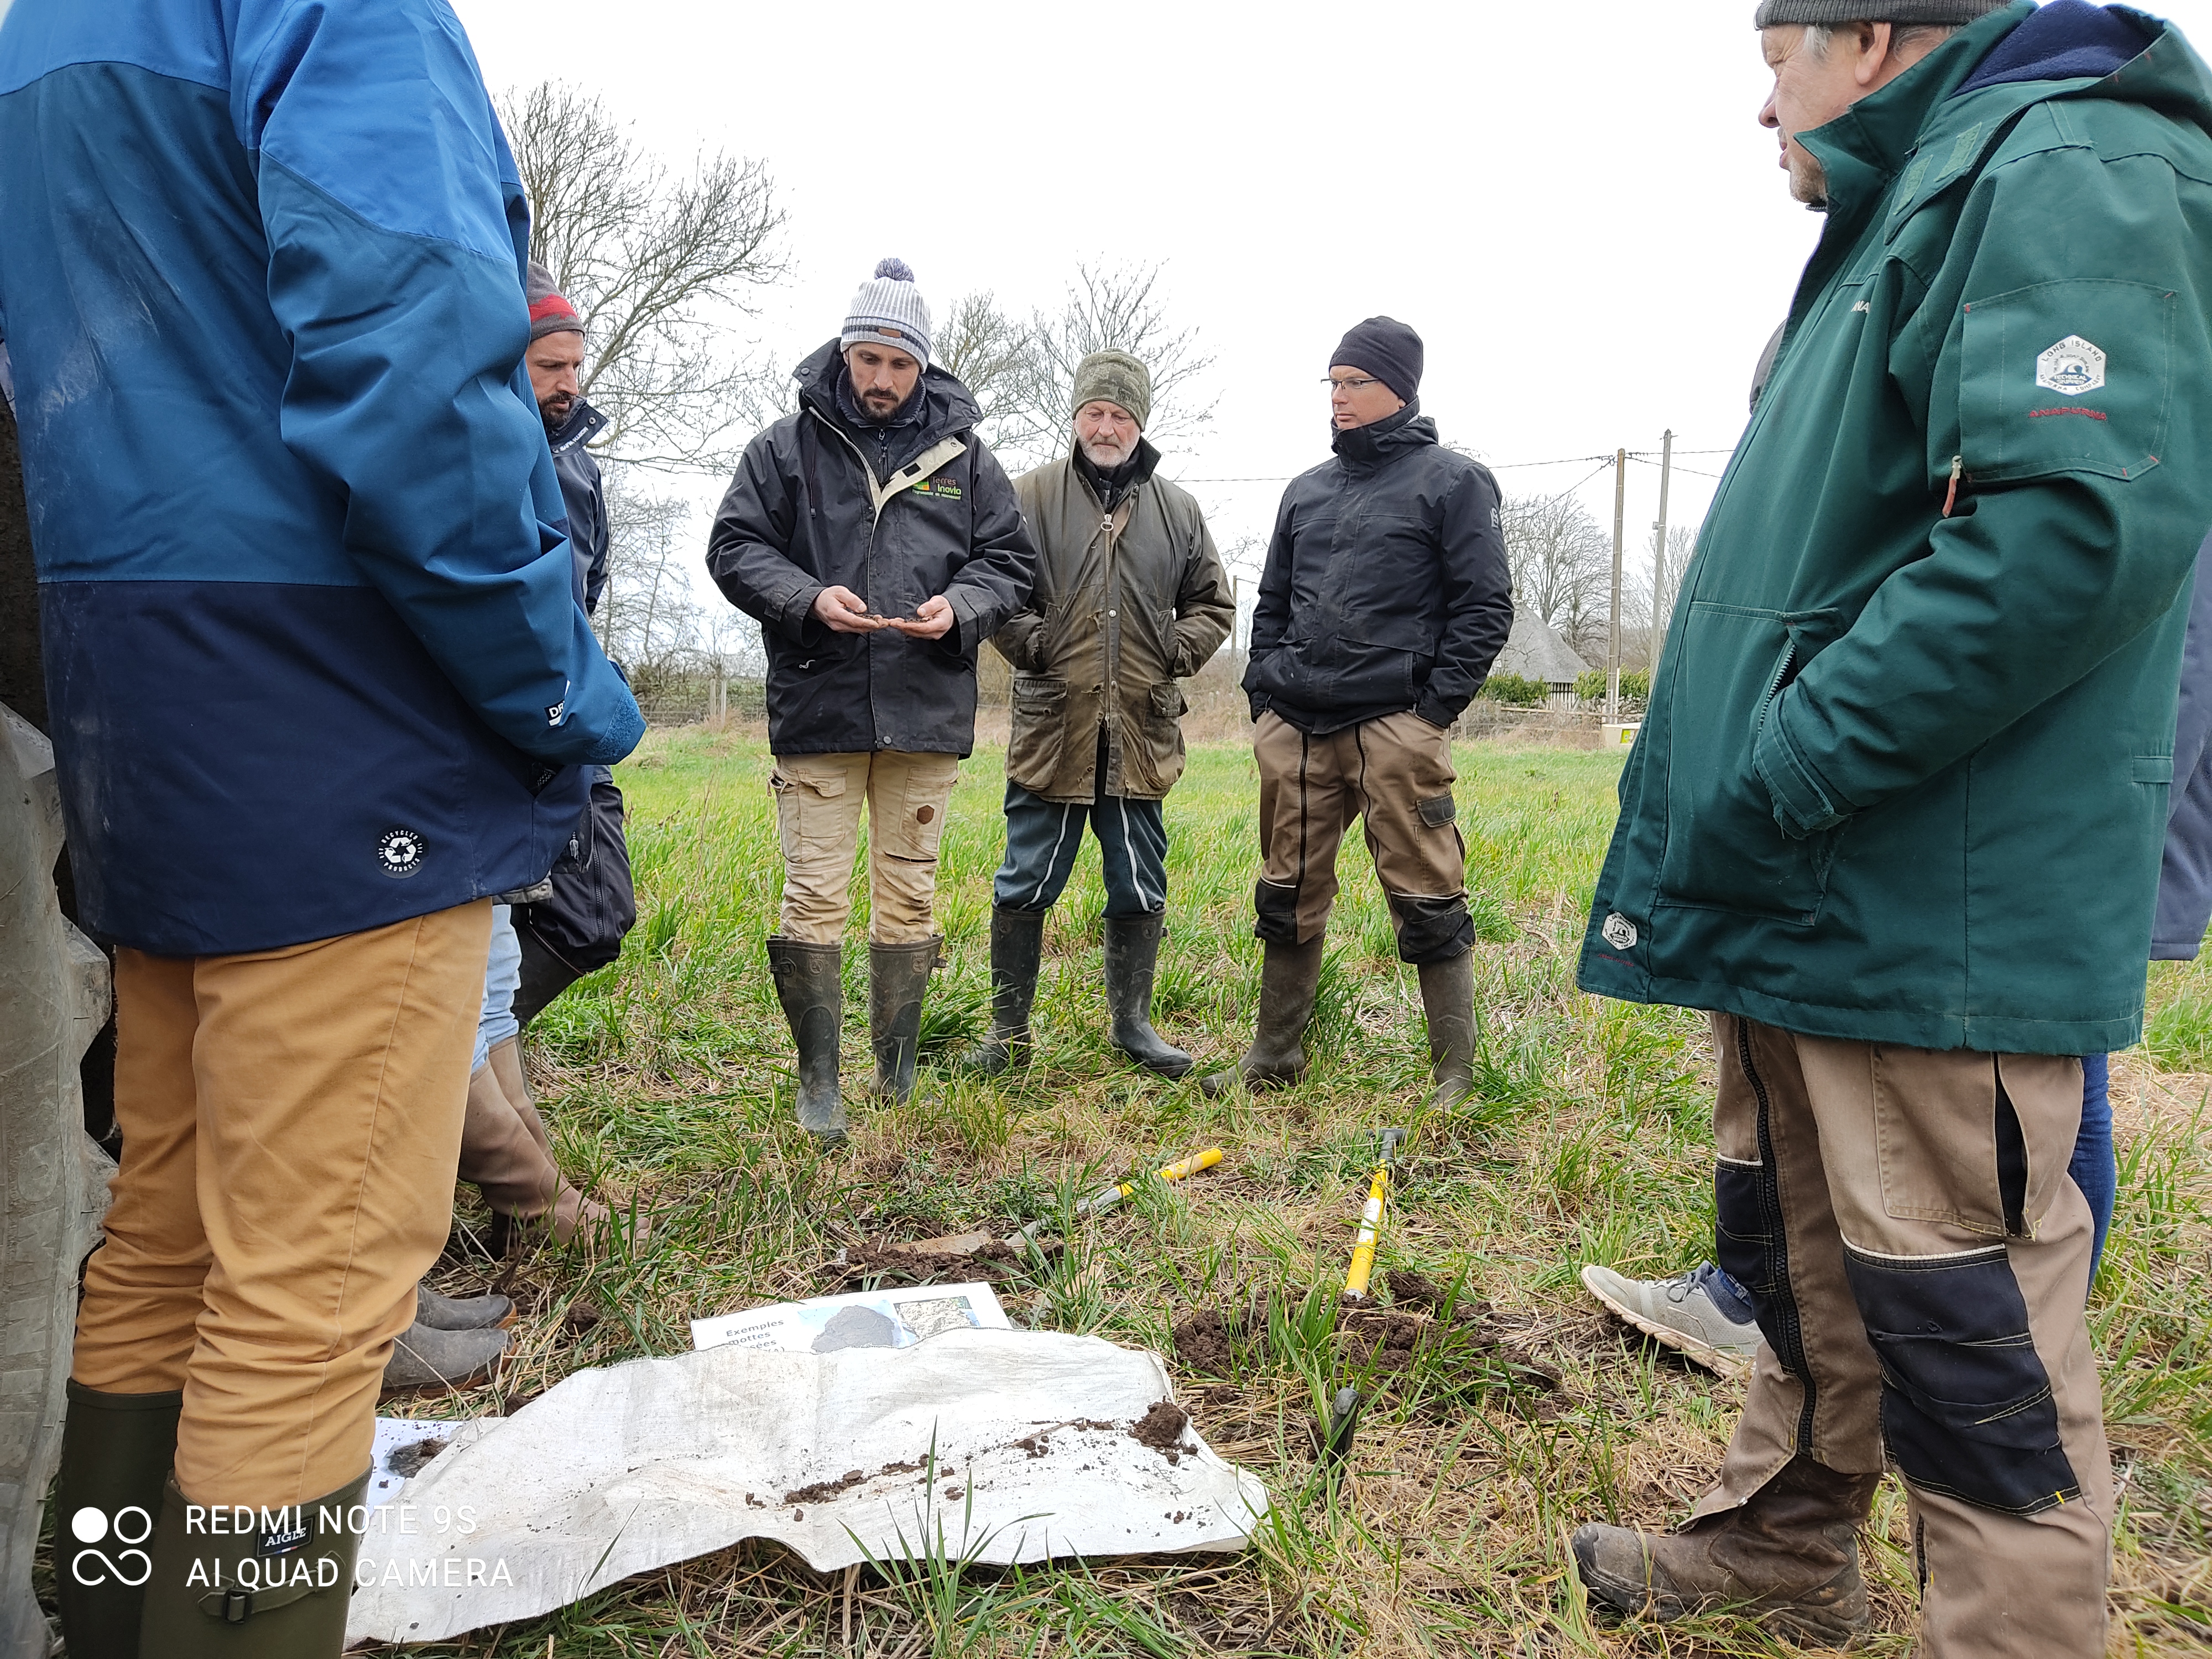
(1573,204)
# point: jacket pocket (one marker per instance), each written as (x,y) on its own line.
(1037,732)
(1723,850)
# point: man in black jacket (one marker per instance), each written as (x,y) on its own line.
(1385,598)
(879,545)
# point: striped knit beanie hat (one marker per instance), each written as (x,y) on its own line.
(549,311)
(1772,12)
(889,310)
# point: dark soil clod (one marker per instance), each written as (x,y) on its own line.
(1411,1289)
(581,1316)
(1204,1342)
(822,1490)
(409,1461)
(1161,1429)
(878,1260)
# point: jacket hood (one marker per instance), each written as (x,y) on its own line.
(2063,41)
(947,406)
(1364,448)
(584,423)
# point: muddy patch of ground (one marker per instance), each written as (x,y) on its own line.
(886,1261)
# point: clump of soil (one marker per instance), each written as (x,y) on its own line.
(823,1489)
(1413,1289)
(1384,1339)
(582,1316)
(1204,1342)
(409,1461)
(877,1259)
(1161,1429)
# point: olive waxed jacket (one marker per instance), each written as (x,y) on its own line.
(1905,775)
(1136,600)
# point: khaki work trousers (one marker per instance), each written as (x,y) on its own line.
(291,1122)
(1919,1257)
(1395,776)
(817,819)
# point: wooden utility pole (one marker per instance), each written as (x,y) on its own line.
(1613,633)
(1659,550)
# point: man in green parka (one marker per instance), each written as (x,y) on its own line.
(1895,817)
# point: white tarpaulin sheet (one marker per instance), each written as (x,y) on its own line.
(624,1470)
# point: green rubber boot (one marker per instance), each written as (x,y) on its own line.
(116,1452)
(1016,949)
(255,1595)
(898,976)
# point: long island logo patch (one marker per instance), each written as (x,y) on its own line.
(399,852)
(2073,368)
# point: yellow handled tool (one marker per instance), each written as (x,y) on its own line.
(1371,1221)
(1107,1197)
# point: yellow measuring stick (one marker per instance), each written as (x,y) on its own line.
(1370,1223)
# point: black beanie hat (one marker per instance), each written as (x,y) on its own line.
(1387,349)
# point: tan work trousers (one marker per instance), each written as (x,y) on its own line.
(291,1120)
(817,819)
(1393,774)
(1919,1259)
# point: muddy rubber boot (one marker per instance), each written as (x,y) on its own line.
(1789,1559)
(1017,948)
(898,975)
(507,1067)
(447,1313)
(246,1604)
(809,983)
(1447,996)
(424,1357)
(1289,979)
(1132,953)
(504,1161)
(116,1452)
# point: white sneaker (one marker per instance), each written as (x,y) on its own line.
(1680,1314)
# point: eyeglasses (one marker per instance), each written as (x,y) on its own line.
(1357,384)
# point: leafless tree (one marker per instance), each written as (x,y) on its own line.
(657,265)
(1022,375)
(1562,563)
(647,618)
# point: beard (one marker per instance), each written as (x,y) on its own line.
(1809,179)
(1105,454)
(555,412)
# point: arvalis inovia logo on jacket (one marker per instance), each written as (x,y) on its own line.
(943,487)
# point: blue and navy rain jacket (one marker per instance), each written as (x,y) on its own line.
(315,655)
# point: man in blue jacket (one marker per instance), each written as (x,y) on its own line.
(321,687)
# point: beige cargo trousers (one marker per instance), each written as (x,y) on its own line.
(1919,1259)
(817,815)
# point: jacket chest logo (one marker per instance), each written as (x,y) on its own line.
(942,488)
(2072,368)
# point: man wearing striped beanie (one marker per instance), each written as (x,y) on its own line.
(878,543)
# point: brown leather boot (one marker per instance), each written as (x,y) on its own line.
(504,1161)
(1789,1559)
(507,1067)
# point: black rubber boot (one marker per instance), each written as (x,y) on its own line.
(1132,951)
(1288,982)
(116,1452)
(898,975)
(809,983)
(1447,995)
(1017,947)
(249,1601)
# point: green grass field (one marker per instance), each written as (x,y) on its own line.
(667,1078)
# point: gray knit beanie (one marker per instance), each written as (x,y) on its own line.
(1772,12)
(1114,377)
(889,310)
(549,310)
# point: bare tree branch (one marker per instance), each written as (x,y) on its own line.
(653,265)
(1562,564)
